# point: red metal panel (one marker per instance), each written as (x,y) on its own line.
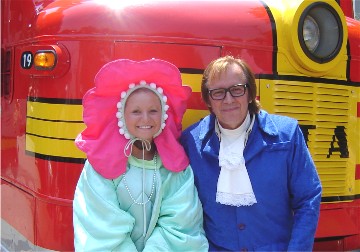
(329,245)
(354,44)
(57,179)
(86,59)
(245,22)
(195,102)
(257,58)
(347,7)
(347,222)
(62,60)
(181,55)
(18,209)
(54,224)
(357,172)
(335,222)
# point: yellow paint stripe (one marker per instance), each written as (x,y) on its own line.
(60,112)
(53,129)
(192,80)
(191,116)
(357,187)
(53,147)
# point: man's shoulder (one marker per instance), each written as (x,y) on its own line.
(275,124)
(277,119)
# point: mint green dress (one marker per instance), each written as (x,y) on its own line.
(115,214)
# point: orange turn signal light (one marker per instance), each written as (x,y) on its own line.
(45,60)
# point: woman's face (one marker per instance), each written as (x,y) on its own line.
(142,114)
(231,111)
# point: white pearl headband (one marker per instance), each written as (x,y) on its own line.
(125,95)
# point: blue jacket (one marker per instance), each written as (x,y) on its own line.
(284,180)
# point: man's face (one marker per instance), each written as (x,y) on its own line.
(230,111)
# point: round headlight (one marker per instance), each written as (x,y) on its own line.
(320,32)
(311,34)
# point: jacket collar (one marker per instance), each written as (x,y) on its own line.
(207,125)
(208,135)
(266,124)
(263,123)
(263,126)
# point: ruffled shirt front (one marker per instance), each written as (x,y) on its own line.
(234,186)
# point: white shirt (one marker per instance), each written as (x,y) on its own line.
(234,186)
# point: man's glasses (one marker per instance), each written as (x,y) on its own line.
(235,91)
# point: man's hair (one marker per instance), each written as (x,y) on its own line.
(217,67)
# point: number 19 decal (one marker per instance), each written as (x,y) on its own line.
(26,60)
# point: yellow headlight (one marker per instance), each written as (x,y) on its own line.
(321,32)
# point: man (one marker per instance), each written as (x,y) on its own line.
(255,176)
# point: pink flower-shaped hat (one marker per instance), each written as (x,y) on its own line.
(105,137)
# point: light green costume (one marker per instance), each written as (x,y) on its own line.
(106,218)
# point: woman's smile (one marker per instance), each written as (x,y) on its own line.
(143,114)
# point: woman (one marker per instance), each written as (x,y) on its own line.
(136,192)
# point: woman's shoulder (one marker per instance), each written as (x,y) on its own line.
(175,177)
(172,182)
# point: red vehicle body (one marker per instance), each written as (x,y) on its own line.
(41,111)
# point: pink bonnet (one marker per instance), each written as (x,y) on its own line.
(101,140)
